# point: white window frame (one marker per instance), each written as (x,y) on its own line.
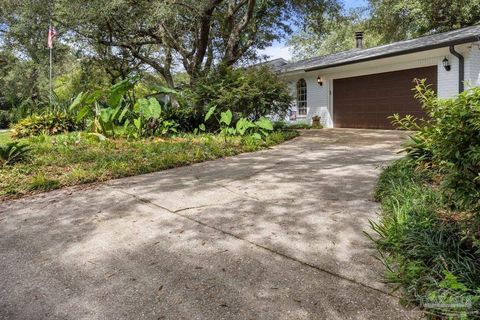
(302,105)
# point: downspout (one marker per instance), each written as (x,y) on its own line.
(461,68)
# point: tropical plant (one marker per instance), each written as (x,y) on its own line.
(147,119)
(259,129)
(106,114)
(121,109)
(13,152)
(50,123)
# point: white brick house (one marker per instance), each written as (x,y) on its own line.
(362,87)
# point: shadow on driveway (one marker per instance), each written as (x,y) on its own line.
(275,234)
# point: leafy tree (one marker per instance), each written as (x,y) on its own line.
(197,35)
(404,19)
(23,38)
(337,35)
(251,93)
(383,21)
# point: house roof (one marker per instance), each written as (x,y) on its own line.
(440,40)
(275,63)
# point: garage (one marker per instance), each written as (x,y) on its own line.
(367,101)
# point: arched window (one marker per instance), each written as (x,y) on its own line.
(302,97)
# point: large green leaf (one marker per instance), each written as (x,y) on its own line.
(162,89)
(264,123)
(149,109)
(226,117)
(257,136)
(243,125)
(77,101)
(118,90)
(141,105)
(210,113)
(123,113)
(82,112)
(137,123)
(154,110)
(105,115)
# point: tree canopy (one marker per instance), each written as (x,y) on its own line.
(101,42)
(383,21)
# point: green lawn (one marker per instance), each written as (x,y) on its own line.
(74,158)
(5,137)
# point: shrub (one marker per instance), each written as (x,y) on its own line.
(4,119)
(49,123)
(280,125)
(13,152)
(425,253)
(250,93)
(450,141)
(186,116)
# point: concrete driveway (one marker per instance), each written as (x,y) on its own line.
(275,234)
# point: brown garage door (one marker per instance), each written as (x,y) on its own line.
(368,101)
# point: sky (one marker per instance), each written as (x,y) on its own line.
(280,50)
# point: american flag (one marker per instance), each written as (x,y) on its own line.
(52,33)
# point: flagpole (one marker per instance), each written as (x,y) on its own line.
(51,76)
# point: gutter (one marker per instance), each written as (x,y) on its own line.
(461,68)
(397,53)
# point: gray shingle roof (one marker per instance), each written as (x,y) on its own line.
(275,63)
(434,41)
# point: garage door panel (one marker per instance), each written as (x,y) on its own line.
(368,101)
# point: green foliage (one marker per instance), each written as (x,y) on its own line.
(337,35)
(50,123)
(5,137)
(405,19)
(40,182)
(250,93)
(280,125)
(75,158)
(13,152)
(425,253)
(449,140)
(383,22)
(148,119)
(428,234)
(5,119)
(121,112)
(259,129)
(302,125)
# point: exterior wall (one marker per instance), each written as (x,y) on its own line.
(472,66)
(319,98)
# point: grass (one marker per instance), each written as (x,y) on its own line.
(423,246)
(5,137)
(303,125)
(77,158)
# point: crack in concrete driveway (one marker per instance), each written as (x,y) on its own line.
(276,234)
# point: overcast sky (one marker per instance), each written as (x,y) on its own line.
(279,50)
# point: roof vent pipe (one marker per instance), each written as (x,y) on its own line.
(461,68)
(359,39)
